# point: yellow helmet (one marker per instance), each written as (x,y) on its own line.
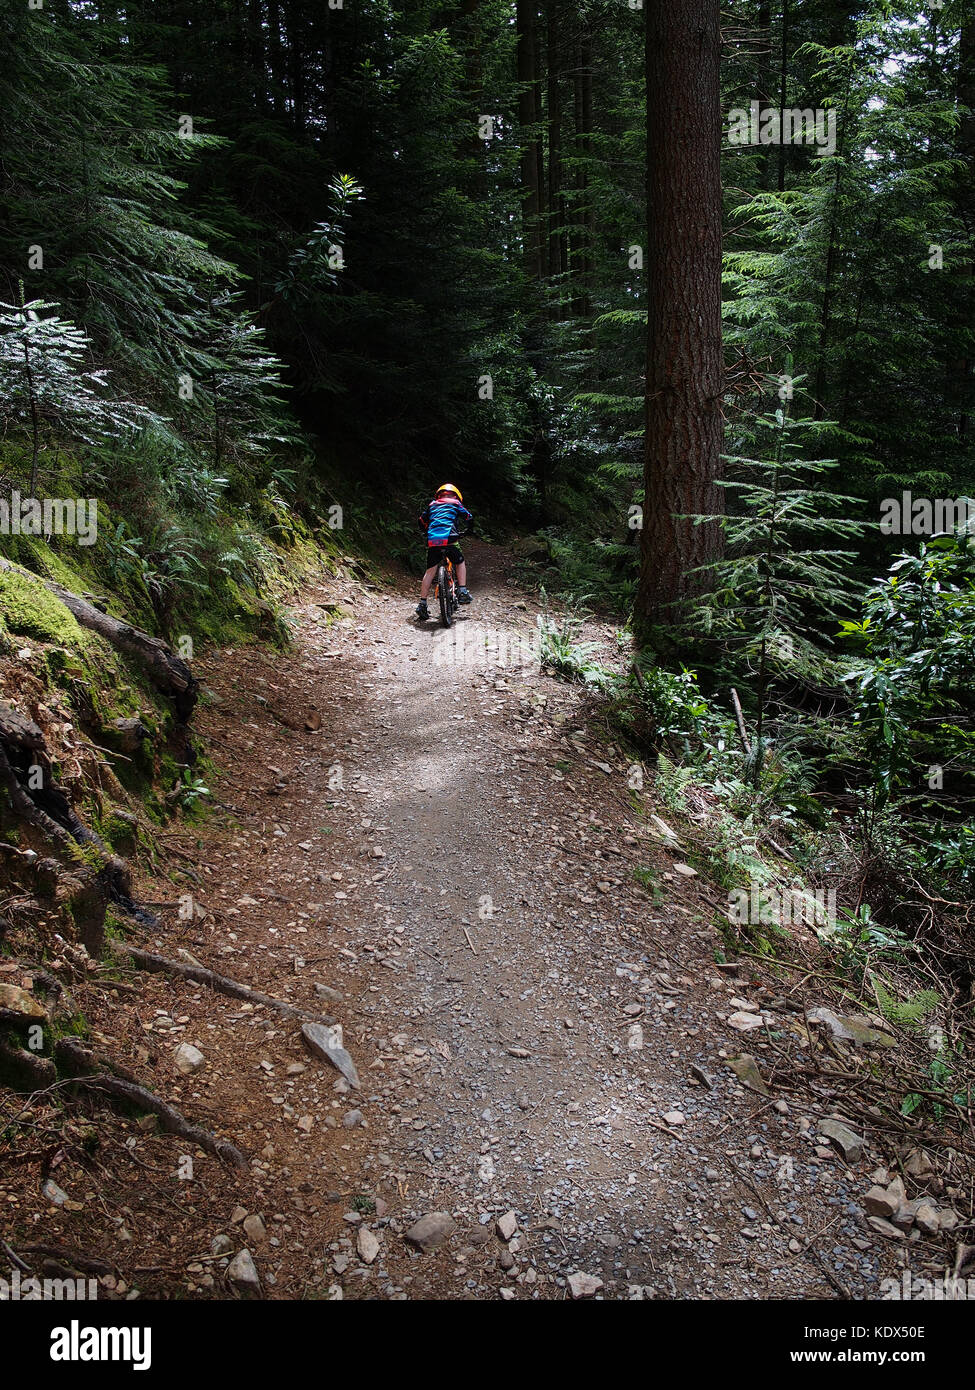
(449,487)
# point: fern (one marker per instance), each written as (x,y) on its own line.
(906,1013)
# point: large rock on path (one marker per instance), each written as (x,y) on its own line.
(326,1043)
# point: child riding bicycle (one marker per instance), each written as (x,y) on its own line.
(440,519)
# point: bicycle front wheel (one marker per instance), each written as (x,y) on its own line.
(444,595)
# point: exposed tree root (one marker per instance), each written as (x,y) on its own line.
(169,1118)
(23,804)
(201,976)
(48,810)
(76,1060)
(68,1259)
(46,807)
(25,1071)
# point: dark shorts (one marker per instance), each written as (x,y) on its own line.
(435,554)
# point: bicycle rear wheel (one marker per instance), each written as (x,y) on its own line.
(444,595)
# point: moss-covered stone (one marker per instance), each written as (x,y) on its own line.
(121,830)
(31,610)
(34,553)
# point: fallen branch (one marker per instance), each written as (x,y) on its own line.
(779,849)
(807,1252)
(87,1263)
(740,721)
(201,976)
(14,1258)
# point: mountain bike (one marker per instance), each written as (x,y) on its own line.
(446,584)
(446,591)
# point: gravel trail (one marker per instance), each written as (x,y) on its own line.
(539,1036)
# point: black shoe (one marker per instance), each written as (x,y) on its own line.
(463,596)
(422,611)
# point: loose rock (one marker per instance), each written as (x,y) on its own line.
(255,1230)
(367,1245)
(746,1069)
(430,1231)
(849,1144)
(15,1000)
(746,1022)
(507,1225)
(879,1202)
(326,1043)
(854,1030)
(242,1273)
(584,1285)
(188,1059)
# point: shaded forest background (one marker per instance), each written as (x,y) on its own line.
(482,168)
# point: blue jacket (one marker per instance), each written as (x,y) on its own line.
(441,518)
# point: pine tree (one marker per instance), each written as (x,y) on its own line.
(769,596)
(47,390)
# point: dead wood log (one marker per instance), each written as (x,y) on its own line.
(168,672)
(201,976)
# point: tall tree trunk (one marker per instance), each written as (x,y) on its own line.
(474,93)
(684,352)
(784,57)
(34,422)
(588,214)
(852,342)
(274,56)
(556,203)
(765,52)
(538,148)
(255,45)
(764,75)
(582,213)
(296,61)
(829,289)
(528,134)
(962,386)
(832,262)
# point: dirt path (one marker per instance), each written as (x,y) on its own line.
(454,855)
